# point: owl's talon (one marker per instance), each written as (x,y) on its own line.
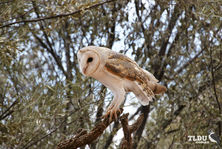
(106,115)
(118,110)
(110,108)
(111,113)
(110,117)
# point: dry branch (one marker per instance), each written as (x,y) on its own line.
(127,142)
(129,129)
(83,138)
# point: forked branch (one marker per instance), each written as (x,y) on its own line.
(129,129)
(83,138)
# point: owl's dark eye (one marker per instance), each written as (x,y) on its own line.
(90,59)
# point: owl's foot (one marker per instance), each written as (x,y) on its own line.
(112,112)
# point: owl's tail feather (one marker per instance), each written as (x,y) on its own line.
(146,94)
(158,89)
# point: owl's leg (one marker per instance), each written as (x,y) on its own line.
(114,106)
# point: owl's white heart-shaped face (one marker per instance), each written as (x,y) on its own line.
(88,60)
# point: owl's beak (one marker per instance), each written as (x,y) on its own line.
(84,70)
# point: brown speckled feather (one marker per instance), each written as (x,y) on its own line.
(122,66)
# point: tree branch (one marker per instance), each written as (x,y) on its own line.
(31,142)
(215,91)
(145,110)
(176,113)
(86,138)
(188,63)
(57,16)
(100,110)
(127,142)
(116,127)
(129,129)
(49,48)
(166,37)
(7,112)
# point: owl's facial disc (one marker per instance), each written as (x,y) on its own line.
(89,62)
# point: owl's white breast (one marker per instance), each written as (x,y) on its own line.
(113,82)
(109,80)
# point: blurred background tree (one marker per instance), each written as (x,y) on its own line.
(44,98)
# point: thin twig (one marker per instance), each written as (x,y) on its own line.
(7,111)
(213,81)
(56,16)
(29,144)
(215,91)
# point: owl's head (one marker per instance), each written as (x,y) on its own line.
(89,60)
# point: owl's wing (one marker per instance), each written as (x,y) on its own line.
(122,66)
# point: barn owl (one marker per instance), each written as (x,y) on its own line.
(120,74)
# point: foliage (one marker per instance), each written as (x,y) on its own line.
(44,99)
